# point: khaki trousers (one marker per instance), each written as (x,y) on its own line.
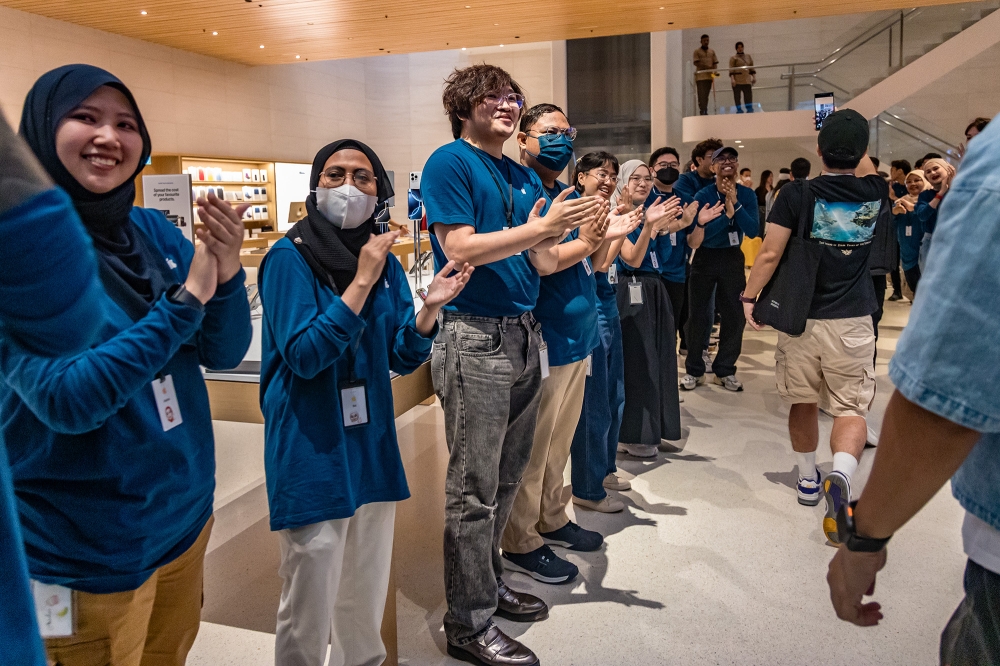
(539,506)
(154,625)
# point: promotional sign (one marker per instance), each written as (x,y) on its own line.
(171,194)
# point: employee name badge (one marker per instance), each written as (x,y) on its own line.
(543,359)
(54,608)
(590,365)
(166,402)
(673,239)
(586,266)
(653,258)
(635,293)
(734,238)
(909,231)
(613,274)
(354,403)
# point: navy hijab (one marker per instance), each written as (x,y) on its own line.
(121,247)
(331,252)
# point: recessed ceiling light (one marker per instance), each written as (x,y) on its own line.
(215,34)
(468,6)
(261,46)
(662,7)
(297,57)
(501,46)
(496,24)
(738,141)
(463,48)
(143,12)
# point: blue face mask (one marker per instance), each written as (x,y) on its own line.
(555,151)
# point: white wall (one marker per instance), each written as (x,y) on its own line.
(198,105)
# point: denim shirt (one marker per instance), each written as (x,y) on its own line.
(948,357)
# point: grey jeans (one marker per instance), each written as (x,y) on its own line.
(486,373)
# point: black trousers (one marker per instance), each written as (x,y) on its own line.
(912,278)
(704,88)
(972,636)
(722,270)
(897,285)
(677,291)
(747,90)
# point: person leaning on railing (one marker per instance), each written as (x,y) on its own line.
(742,76)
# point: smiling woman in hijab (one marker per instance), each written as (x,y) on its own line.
(649,334)
(338,317)
(112,452)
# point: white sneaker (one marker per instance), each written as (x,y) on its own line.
(689,383)
(872,439)
(707,358)
(614,482)
(729,383)
(638,450)
(607,505)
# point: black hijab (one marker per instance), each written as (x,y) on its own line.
(121,247)
(331,252)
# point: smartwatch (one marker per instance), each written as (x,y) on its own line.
(746,299)
(178,294)
(849,536)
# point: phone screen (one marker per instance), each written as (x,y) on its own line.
(823,103)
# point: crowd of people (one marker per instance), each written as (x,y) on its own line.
(553,324)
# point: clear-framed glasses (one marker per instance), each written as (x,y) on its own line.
(640,179)
(603,176)
(512,99)
(569,132)
(667,165)
(362,178)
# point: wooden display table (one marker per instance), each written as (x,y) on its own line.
(235,396)
(403,249)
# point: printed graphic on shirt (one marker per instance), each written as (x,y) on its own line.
(844,221)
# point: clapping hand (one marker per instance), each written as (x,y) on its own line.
(371,259)
(445,287)
(728,188)
(690,212)
(709,213)
(222,232)
(662,213)
(563,215)
(623,223)
(593,232)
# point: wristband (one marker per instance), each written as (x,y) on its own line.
(848,535)
(180,295)
(746,299)
(938,196)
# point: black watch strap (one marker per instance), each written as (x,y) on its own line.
(848,534)
(178,294)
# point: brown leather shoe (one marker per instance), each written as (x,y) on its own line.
(519,606)
(494,648)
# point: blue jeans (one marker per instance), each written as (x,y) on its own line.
(595,443)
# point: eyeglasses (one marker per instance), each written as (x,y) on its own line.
(362,178)
(726,160)
(667,165)
(603,177)
(569,132)
(512,99)
(640,179)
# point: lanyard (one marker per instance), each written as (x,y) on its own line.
(507,207)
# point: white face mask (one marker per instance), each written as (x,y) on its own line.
(346,206)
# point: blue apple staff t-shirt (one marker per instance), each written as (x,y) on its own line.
(672,249)
(464,185)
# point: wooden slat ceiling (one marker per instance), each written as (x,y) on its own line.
(332,29)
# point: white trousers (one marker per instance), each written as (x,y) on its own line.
(336,576)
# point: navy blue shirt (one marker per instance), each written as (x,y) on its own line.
(461,184)
(745,221)
(689,184)
(567,307)
(910,232)
(672,250)
(105,496)
(51,299)
(923,212)
(317,469)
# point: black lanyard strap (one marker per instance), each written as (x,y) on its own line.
(508,202)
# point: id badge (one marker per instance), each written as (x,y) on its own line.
(166,402)
(613,274)
(354,403)
(909,231)
(734,238)
(673,239)
(543,359)
(590,365)
(652,258)
(586,266)
(635,293)
(54,608)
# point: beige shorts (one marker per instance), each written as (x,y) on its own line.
(831,363)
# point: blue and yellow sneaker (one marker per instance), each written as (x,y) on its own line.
(837,491)
(809,490)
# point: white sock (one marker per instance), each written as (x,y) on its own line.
(807,465)
(845,463)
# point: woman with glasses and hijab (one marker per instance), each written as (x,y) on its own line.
(649,335)
(112,451)
(338,317)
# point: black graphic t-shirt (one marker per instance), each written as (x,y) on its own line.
(843,219)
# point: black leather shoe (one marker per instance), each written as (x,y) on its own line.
(519,606)
(494,648)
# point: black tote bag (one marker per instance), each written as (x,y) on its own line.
(784,302)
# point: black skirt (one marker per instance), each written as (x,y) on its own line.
(652,409)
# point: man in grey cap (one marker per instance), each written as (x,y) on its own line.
(832,361)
